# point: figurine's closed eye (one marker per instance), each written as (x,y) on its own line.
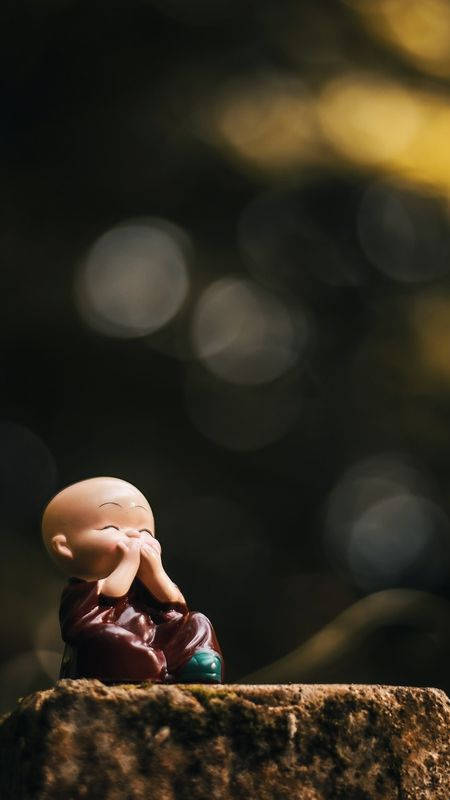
(109,526)
(146,530)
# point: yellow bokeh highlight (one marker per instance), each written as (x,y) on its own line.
(431,329)
(420,29)
(427,159)
(368,119)
(268,124)
(378,123)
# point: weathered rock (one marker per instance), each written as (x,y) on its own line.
(303,742)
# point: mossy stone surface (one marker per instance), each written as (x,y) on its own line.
(83,739)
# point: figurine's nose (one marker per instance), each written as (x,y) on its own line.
(132,534)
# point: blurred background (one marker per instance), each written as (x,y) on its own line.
(225,277)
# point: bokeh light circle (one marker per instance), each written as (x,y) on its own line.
(383,530)
(28,476)
(389,538)
(420,29)
(242,418)
(290,236)
(244,334)
(405,235)
(264,121)
(134,279)
(368,118)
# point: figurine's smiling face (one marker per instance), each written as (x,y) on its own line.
(84,523)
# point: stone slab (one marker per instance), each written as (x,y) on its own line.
(83,739)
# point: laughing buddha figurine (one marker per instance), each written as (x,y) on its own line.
(122,618)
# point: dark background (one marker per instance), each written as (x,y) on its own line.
(224,243)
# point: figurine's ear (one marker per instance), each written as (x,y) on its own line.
(60,547)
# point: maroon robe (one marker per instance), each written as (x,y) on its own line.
(129,638)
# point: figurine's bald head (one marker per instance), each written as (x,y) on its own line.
(83,523)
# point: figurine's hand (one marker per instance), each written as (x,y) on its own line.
(130,551)
(151,556)
(151,572)
(120,580)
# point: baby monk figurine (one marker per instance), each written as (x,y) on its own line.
(122,618)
